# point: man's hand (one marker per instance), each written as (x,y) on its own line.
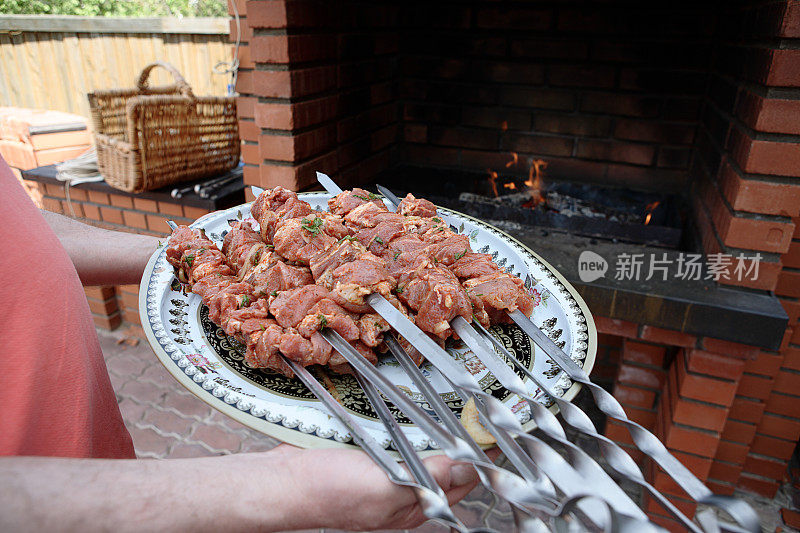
(281,490)
(346,490)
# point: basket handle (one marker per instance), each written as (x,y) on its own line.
(183,87)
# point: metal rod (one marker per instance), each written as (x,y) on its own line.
(740,511)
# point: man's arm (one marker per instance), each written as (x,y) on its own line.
(102,257)
(283,489)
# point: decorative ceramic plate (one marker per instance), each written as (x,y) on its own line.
(211,365)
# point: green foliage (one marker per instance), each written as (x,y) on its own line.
(116,8)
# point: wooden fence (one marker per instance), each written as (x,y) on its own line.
(51,62)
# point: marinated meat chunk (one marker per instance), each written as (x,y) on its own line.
(223,302)
(209,285)
(262,349)
(412,206)
(277,278)
(500,293)
(473,265)
(275,205)
(334,225)
(244,321)
(238,243)
(343,203)
(437,297)
(203,262)
(356,279)
(194,255)
(271,200)
(290,307)
(369,215)
(328,314)
(182,238)
(450,249)
(378,239)
(423,225)
(371,329)
(299,239)
(324,263)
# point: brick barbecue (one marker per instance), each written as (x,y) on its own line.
(685,98)
(693,100)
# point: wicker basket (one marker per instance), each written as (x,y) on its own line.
(153,137)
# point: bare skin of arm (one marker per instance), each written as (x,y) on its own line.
(280,490)
(102,257)
(283,489)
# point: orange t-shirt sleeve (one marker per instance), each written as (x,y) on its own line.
(55,392)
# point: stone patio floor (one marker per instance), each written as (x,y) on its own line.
(166,421)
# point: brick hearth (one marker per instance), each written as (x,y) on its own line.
(687,97)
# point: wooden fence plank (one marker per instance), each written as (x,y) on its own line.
(56,69)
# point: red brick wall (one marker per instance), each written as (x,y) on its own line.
(112,307)
(317,86)
(603,92)
(728,411)
(747,199)
(746,194)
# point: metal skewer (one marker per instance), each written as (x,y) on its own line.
(740,511)
(517,457)
(433,501)
(512,487)
(452,423)
(618,459)
(558,470)
(415,464)
(500,415)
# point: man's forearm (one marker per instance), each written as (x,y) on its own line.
(244,492)
(102,257)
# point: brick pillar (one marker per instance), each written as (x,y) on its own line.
(104,308)
(316,94)
(640,377)
(748,199)
(693,419)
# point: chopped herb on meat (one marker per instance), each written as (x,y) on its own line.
(462,254)
(347,238)
(396,255)
(322,321)
(273,293)
(378,240)
(399,289)
(189,260)
(312,225)
(370,196)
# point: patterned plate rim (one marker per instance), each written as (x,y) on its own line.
(292,435)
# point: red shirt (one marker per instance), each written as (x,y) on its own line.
(55,395)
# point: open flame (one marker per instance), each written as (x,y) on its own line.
(534,182)
(649,212)
(493,181)
(514,160)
